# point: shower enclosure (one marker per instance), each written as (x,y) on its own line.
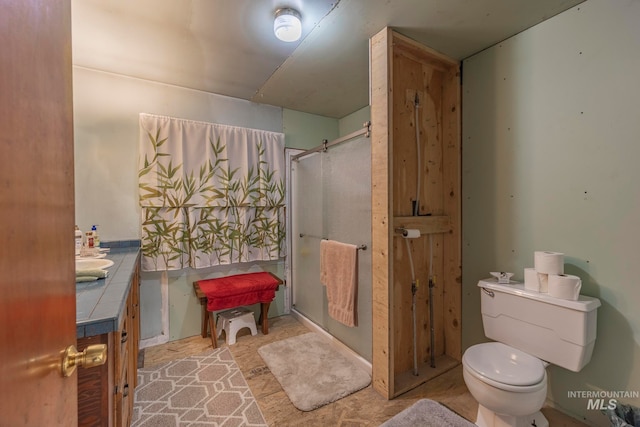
(330,198)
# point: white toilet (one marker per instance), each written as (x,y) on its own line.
(508,378)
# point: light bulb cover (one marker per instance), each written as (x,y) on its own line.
(287,25)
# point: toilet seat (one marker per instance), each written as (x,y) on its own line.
(505,367)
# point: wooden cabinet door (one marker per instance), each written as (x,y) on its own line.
(122,362)
(135,326)
(95,386)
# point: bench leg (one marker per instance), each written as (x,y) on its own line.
(212,324)
(205,317)
(264,317)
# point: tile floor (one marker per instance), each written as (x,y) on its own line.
(364,408)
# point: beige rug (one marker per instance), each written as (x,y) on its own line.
(203,390)
(311,372)
(427,413)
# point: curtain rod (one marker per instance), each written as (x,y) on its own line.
(366,129)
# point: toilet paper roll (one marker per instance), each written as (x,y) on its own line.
(411,233)
(564,286)
(547,262)
(531,280)
(543,280)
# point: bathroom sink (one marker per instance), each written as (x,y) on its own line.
(92,264)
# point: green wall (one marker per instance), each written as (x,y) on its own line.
(304,130)
(354,121)
(551,129)
(106,108)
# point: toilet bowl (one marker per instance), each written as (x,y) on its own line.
(509,385)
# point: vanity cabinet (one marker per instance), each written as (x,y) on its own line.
(105,393)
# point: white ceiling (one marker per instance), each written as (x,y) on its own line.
(228,46)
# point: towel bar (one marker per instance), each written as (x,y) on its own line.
(362,247)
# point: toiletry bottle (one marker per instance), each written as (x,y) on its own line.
(96,237)
(89,239)
(78,240)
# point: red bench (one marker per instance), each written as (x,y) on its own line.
(233,291)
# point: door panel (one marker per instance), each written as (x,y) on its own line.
(37,283)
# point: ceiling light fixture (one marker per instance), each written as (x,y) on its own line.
(287,25)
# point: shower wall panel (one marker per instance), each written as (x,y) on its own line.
(332,200)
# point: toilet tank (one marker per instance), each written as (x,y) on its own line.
(558,331)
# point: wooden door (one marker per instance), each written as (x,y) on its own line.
(37,284)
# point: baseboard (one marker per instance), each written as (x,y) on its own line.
(150,342)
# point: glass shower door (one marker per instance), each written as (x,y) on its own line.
(332,199)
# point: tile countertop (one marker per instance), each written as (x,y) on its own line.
(100,304)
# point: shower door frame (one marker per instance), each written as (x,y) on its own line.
(289,153)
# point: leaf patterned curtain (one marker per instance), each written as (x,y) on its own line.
(209,194)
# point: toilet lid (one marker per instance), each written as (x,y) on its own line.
(504,364)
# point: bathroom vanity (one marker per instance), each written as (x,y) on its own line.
(107,312)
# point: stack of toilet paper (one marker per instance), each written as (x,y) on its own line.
(548,276)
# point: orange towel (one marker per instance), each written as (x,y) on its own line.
(339,273)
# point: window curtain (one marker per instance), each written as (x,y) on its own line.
(209,194)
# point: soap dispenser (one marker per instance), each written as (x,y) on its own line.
(96,237)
